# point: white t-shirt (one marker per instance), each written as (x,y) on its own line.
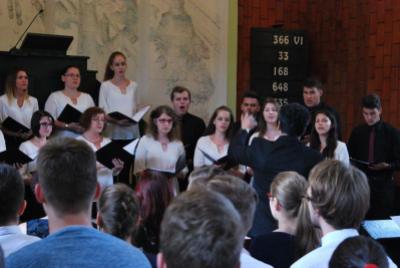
(111,99)
(104,174)
(22,114)
(56,103)
(206,145)
(150,155)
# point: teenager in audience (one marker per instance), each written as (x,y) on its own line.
(17,104)
(42,127)
(268,124)
(295,235)
(359,252)
(205,172)
(154,194)
(338,199)
(267,158)
(243,198)
(70,95)
(200,229)
(119,94)
(324,137)
(93,121)
(161,148)
(67,187)
(12,205)
(215,142)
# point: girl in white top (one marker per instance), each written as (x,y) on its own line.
(160,149)
(42,127)
(268,128)
(324,137)
(118,94)
(57,101)
(16,103)
(93,120)
(216,141)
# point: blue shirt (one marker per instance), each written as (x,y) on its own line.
(78,246)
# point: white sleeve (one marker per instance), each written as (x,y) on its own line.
(140,156)
(198,159)
(3,114)
(35,104)
(135,98)
(90,101)
(103,98)
(51,106)
(2,142)
(342,153)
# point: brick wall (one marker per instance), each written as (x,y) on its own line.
(355,48)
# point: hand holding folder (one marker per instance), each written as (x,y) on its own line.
(105,155)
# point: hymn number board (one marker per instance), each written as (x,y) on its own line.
(279,63)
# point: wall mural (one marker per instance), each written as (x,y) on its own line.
(167,42)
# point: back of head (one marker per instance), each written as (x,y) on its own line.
(201,229)
(241,194)
(371,101)
(293,119)
(204,172)
(67,175)
(340,193)
(11,194)
(358,252)
(118,210)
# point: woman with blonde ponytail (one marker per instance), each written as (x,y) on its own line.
(295,235)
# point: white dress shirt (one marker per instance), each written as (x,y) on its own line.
(12,239)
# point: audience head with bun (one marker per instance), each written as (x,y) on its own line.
(118,211)
(359,252)
(201,228)
(293,119)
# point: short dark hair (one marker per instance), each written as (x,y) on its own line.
(357,252)
(251,95)
(204,229)
(371,101)
(11,193)
(179,89)
(211,127)
(174,134)
(67,175)
(312,82)
(293,119)
(35,121)
(118,208)
(87,116)
(340,193)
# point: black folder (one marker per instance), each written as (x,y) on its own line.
(359,162)
(112,150)
(69,115)
(13,125)
(14,156)
(223,161)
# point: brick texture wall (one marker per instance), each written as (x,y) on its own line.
(355,48)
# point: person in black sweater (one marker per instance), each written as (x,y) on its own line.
(374,147)
(312,93)
(267,158)
(192,127)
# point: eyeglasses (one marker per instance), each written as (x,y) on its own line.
(163,121)
(73,75)
(44,124)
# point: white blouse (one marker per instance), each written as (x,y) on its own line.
(21,114)
(150,155)
(104,174)
(341,153)
(206,145)
(32,151)
(111,99)
(56,103)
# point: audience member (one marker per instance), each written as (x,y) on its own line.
(375,148)
(338,199)
(359,252)
(312,93)
(200,229)
(204,172)
(324,137)
(243,198)
(267,158)
(67,187)
(12,205)
(70,95)
(154,196)
(1,258)
(295,235)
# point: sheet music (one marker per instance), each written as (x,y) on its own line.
(382,228)
(139,115)
(130,147)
